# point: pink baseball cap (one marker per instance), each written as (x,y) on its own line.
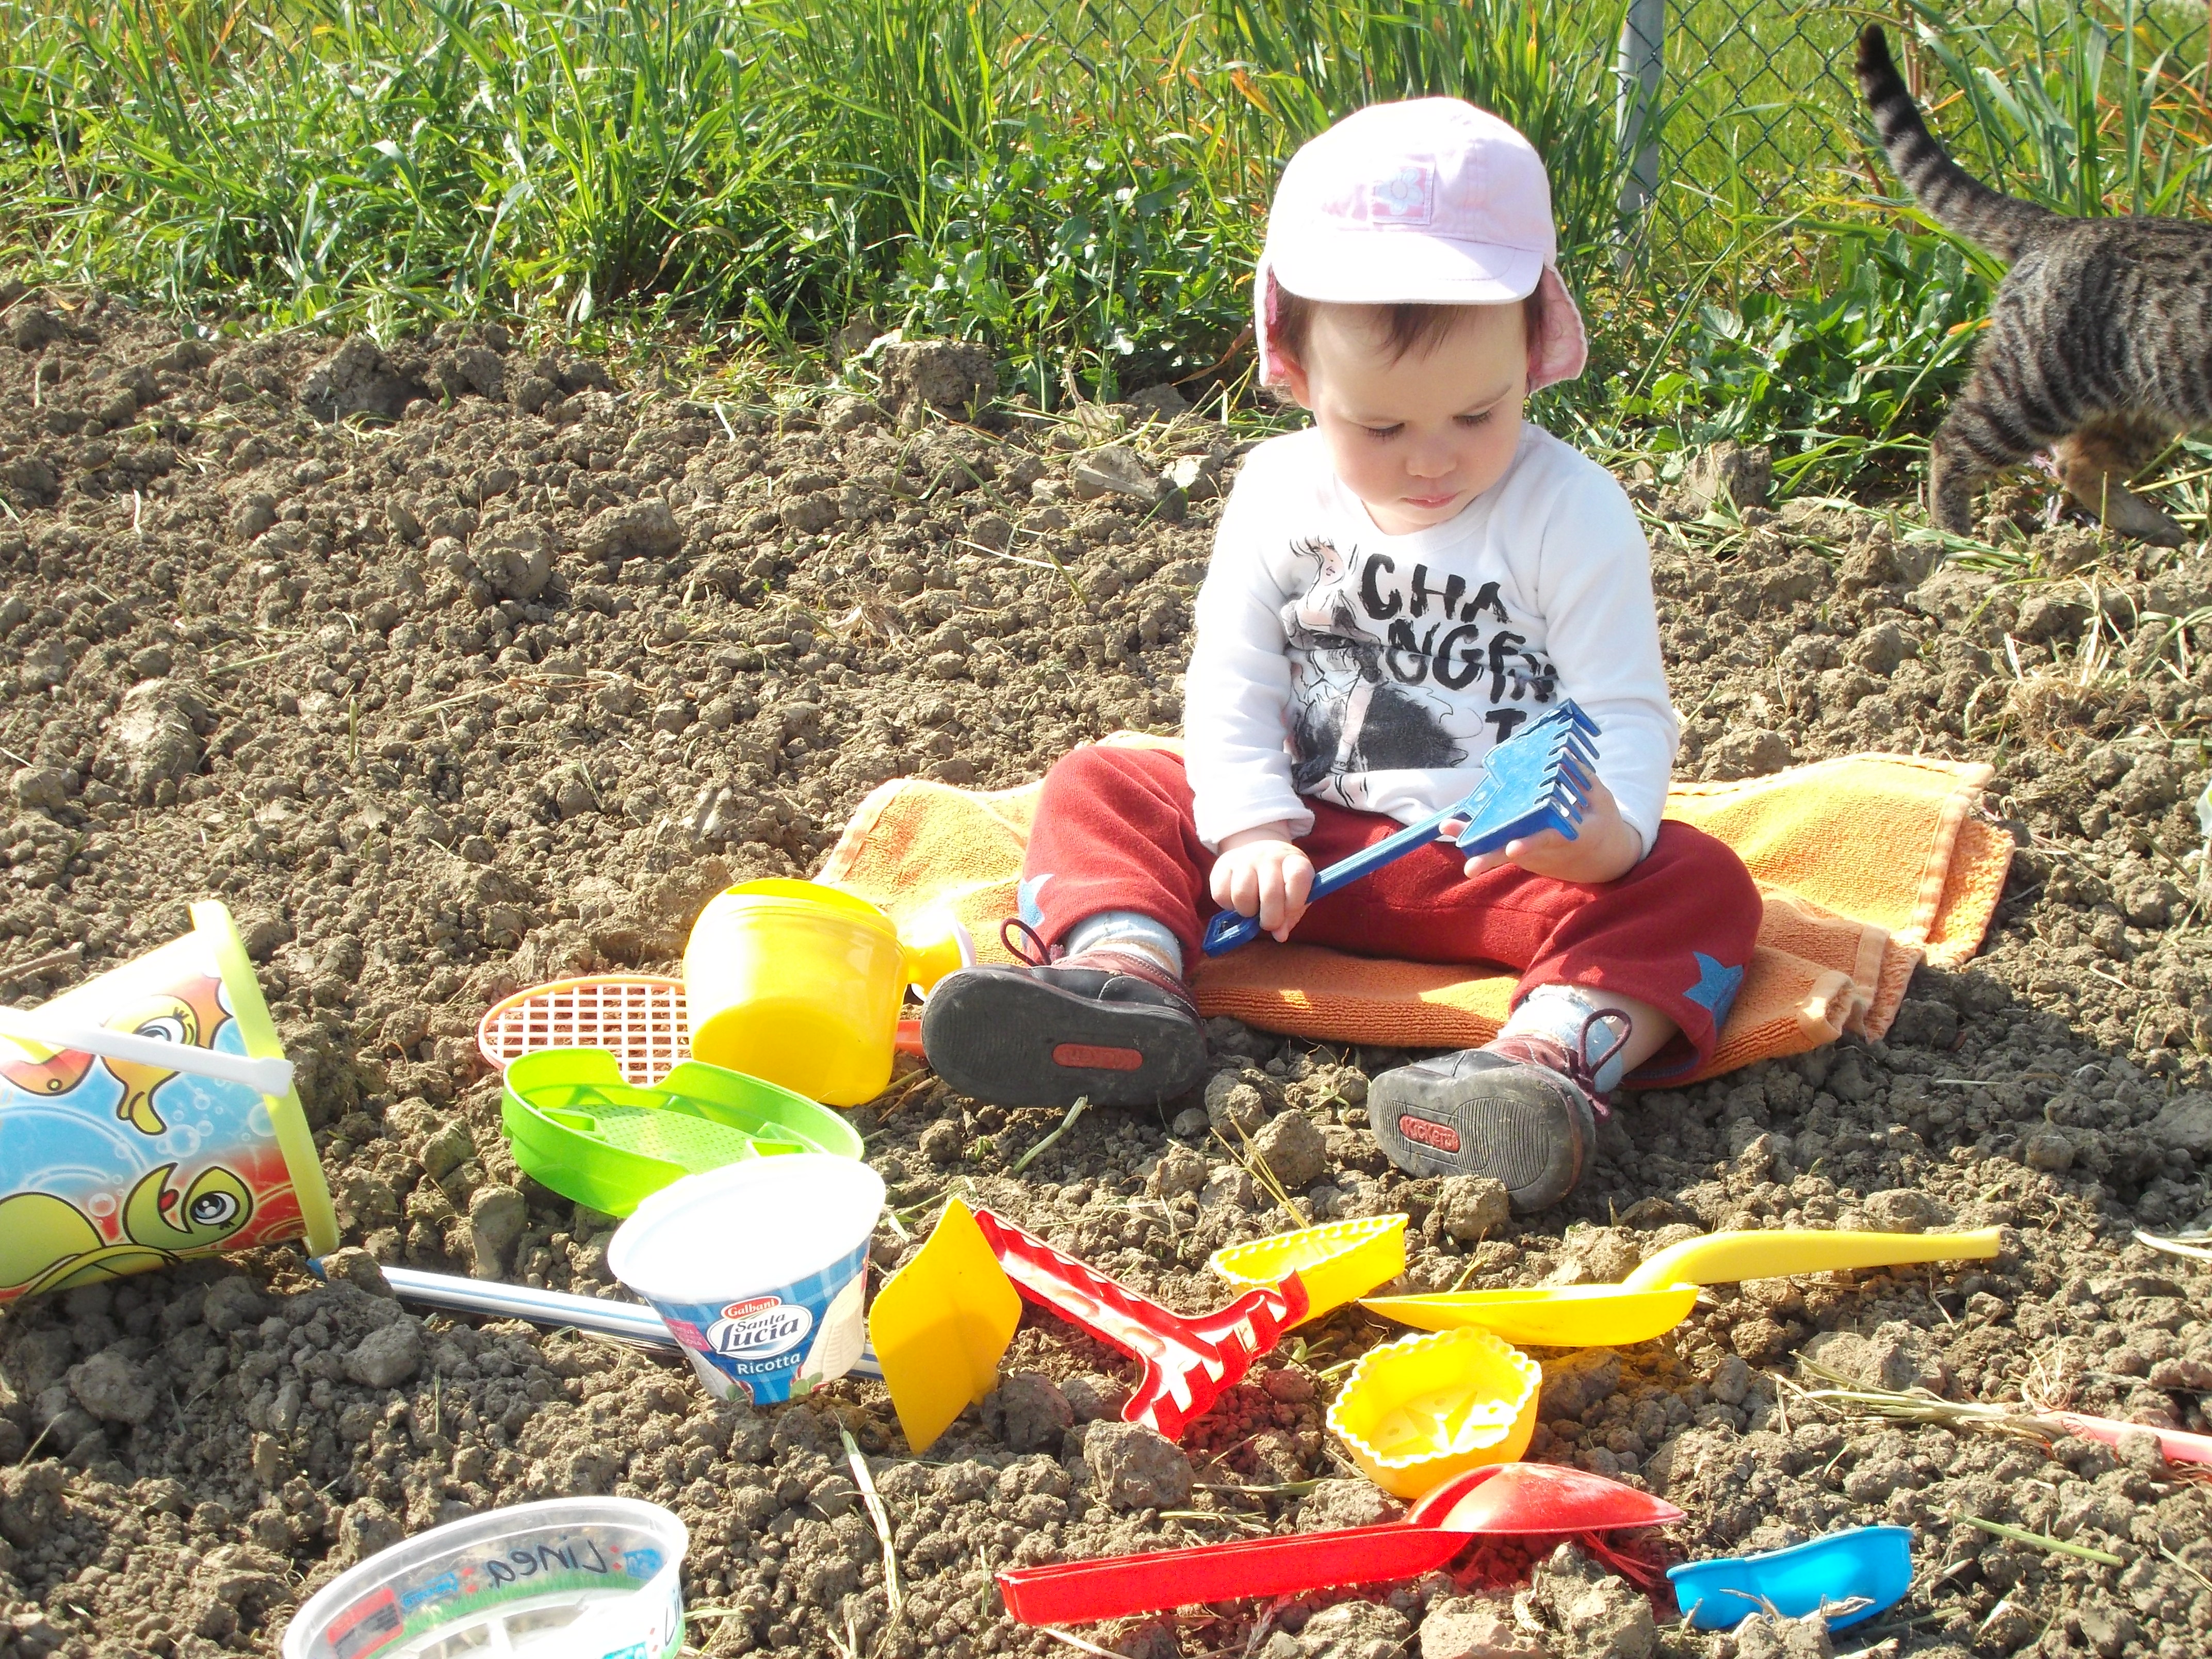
(1431,201)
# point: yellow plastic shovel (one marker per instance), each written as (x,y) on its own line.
(1659,1294)
(940,1325)
(1560,1316)
(1337,1263)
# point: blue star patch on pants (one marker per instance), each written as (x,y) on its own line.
(1714,991)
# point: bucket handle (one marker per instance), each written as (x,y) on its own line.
(271,1077)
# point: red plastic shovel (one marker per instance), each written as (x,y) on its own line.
(1499,1499)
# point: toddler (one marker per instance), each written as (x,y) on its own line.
(1393,591)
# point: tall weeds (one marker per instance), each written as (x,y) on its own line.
(1081,182)
(2084,109)
(1544,66)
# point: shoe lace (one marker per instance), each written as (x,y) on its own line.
(1026,945)
(1581,1070)
(1574,1062)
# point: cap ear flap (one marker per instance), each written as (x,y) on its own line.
(1268,320)
(1535,314)
(1557,348)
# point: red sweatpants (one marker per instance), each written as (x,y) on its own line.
(1114,831)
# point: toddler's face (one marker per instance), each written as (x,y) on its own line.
(1418,439)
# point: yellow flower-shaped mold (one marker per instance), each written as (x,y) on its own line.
(1416,1411)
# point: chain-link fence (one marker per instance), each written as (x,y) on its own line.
(1718,108)
(1757,98)
(1082,182)
(1751,98)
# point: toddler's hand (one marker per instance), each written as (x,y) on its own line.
(1259,874)
(1604,850)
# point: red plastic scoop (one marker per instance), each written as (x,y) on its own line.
(1499,1499)
(1188,1361)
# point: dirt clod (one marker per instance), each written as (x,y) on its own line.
(1476,1627)
(1350,1630)
(351,1266)
(387,1358)
(112,1389)
(41,788)
(1113,470)
(1136,1468)
(1577,1380)
(1335,1503)
(2183,1124)
(152,739)
(497,1216)
(1293,1148)
(1091,1397)
(1594,1614)
(942,374)
(1473,1208)
(1029,1412)
(1740,474)
(1769,1635)
(1234,1105)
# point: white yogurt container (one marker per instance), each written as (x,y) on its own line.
(759,1269)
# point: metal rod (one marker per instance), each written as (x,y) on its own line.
(1638,70)
(626,1321)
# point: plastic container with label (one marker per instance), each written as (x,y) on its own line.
(147,1117)
(759,1269)
(570,1578)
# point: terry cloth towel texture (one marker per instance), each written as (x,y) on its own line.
(1870,865)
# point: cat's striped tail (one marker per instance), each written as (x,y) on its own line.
(1960,202)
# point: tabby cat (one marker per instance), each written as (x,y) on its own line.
(2100,343)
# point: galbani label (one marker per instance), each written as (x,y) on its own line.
(760,1328)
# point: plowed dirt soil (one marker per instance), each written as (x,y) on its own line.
(457,666)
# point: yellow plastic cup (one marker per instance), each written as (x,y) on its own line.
(800,984)
(1419,1411)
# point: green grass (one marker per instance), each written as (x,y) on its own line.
(1083,184)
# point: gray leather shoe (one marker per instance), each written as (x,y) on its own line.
(1111,1025)
(1522,1111)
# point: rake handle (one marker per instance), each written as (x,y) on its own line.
(1563,785)
(1231,928)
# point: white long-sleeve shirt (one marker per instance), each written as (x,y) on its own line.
(1337,662)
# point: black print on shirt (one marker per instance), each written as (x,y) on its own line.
(1394,670)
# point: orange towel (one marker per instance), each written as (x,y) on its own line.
(1870,865)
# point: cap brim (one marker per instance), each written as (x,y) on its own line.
(1416,270)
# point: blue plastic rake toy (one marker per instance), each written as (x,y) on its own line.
(1538,779)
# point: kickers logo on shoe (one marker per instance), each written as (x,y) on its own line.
(1422,1133)
(760,1328)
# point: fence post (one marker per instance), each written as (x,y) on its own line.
(1638,70)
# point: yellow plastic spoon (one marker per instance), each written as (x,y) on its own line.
(1725,1258)
(1557,1316)
(1659,1294)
